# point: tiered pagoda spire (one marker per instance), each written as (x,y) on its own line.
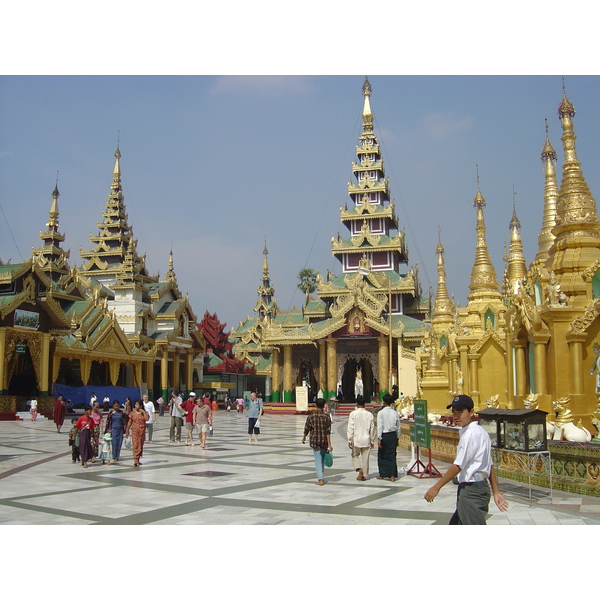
(51,257)
(374,244)
(372,216)
(483,275)
(546,237)
(266,306)
(516,269)
(113,259)
(443,307)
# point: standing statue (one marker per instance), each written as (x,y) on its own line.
(460,382)
(358,383)
(596,367)
(452,347)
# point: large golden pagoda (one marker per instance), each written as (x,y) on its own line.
(539,338)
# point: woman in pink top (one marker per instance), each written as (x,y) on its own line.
(96,416)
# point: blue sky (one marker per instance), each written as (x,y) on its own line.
(214,162)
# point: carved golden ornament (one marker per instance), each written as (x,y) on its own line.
(489,334)
(589,273)
(581,323)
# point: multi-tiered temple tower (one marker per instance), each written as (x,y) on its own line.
(367,321)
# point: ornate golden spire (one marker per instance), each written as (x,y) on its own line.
(52,224)
(576,208)
(265,263)
(116,184)
(577,230)
(170,274)
(443,306)
(517,267)
(266,305)
(367,115)
(546,237)
(483,274)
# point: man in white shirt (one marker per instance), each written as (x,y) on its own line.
(361,434)
(388,430)
(149,408)
(473,466)
(177,413)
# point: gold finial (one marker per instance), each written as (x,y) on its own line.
(367,115)
(565,108)
(366,88)
(548,151)
(265,263)
(514,223)
(54,206)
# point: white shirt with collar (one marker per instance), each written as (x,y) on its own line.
(361,429)
(387,421)
(473,454)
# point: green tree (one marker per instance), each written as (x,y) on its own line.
(308,281)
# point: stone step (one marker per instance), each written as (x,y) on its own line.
(26,416)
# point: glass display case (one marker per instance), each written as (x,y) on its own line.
(521,429)
(490,421)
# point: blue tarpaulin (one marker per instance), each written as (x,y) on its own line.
(80,396)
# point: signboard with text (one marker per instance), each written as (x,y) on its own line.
(422,426)
(301,398)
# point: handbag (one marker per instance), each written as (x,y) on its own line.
(128,442)
(257,424)
(328,459)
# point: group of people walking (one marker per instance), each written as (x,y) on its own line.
(91,438)
(361,435)
(472,470)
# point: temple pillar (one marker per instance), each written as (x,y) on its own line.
(520,369)
(2,360)
(464,368)
(452,367)
(323,384)
(189,370)
(276,375)
(44,365)
(575,342)
(164,374)
(150,378)
(137,371)
(384,368)
(473,378)
(288,373)
(510,375)
(331,365)
(176,383)
(539,357)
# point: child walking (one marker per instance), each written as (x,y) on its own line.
(106,453)
(74,441)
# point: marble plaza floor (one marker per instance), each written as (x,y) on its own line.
(233,482)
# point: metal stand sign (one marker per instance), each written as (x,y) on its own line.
(422,436)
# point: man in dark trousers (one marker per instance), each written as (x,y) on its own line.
(388,430)
(473,466)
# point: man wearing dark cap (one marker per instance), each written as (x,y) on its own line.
(473,467)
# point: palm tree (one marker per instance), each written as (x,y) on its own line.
(308,281)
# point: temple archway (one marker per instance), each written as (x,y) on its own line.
(357,377)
